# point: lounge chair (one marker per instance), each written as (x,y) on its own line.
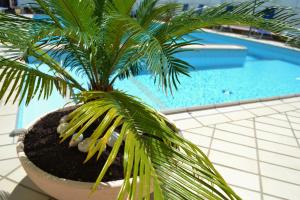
(268,13)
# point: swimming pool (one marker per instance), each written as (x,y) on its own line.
(267,71)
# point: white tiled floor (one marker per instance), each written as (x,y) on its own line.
(254,146)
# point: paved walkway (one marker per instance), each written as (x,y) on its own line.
(254,146)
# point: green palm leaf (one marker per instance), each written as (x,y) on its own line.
(100,42)
(26,82)
(155,156)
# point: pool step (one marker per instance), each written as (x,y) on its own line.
(212,55)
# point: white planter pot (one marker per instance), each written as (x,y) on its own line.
(64,189)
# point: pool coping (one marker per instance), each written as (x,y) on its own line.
(243,37)
(222,105)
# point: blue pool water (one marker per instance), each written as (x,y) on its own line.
(267,71)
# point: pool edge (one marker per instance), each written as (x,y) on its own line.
(222,105)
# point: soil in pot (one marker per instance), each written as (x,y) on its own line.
(43,148)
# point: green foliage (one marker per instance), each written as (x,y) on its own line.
(100,42)
(156,157)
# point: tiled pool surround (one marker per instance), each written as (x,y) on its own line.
(255,146)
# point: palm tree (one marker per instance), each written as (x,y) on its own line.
(99,42)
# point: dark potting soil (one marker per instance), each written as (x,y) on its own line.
(43,148)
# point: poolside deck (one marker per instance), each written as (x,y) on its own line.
(256,147)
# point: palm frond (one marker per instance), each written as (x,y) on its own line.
(155,156)
(20,81)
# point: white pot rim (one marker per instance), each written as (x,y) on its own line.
(78,184)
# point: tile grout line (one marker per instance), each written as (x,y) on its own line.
(224,113)
(211,140)
(5,159)
(194,118)
(270,116)
(293,131)
(258,162)
(297,110)
(12,171)
(252,190)
(261,129)
(252,159)
(293,115)
(250,137)
(235,143)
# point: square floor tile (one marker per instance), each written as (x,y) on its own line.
(8,166)
(233,161)
(280,173)
(239,178)
(262,111)
(213,119)
(247,194)
(234,149)
(252,105)
(245,123)
(204,112)
(279,116)
(230,109)
(268,197)
(7,186)
(205,131)
(276,138)
(297,133)
(9,109)
(271,103)
(236,129)
(5,139)
(273,121)
(277,159)
(239,115)
(279,148)
(281,189)
(290,100)
(187,124)
(8,151)
(294,114)
(18,175)
(7,123)
(283,107)
(295,104)
(294,119)
(235,138)
(273,129)
(295,126)
(199,140)
(178,116)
